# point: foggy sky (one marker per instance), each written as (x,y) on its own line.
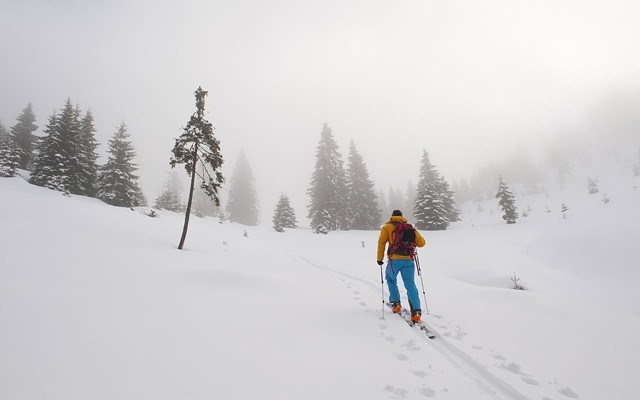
(465,80)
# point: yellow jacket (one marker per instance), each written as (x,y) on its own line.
(386,236)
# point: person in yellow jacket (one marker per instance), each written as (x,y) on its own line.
(398,263)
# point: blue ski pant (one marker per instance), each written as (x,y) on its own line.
(406,268)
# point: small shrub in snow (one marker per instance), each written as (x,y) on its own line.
(362,243)
(321,229)
(245,233)
(516,283)
(605,198)
(563,210)
(150,213)
(592,186)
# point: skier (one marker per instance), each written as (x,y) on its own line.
(400,260)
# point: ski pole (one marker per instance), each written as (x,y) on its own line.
(426,307)
(382,290)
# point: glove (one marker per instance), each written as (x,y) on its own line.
(380,262)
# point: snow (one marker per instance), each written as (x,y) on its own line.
(96,302)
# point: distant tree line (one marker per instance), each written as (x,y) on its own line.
(345,199)
(65,159)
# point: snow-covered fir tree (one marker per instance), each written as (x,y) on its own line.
(57,165)
(284,215)
(383,206)
(328,205)
(396,198)
(87,157)
(362,203)
(507,202)
(242,206)
(430,210)
(447,195)
(9,153)
(117,182)
(23,135)
(409,201)
(563,210)
(203,206)
(170,197)
(592,186)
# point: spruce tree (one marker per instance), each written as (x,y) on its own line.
(24,137)
(430,209)
(383,206)
(170,197)
(118,184)
(592,186)
(87,156)
(284,215)
(199,151)
(9,153)
(449,203)
(202,204)
(242,206)
(57,165)
(396,199)
(507,202)
(409,201)
(327,208)
(362,203)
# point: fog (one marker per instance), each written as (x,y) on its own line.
(469,81)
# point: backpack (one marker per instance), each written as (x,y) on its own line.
(404,240)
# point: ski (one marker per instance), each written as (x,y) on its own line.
(406,316)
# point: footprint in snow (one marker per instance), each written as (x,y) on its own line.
(411,345)
(427,392)
(402,357)
(390,339)
(420,374)
(382,326)
(397,393)
(566,391)
(515,368)
(362,303)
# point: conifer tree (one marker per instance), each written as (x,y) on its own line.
(327,208)
(202,204)
(563,210)
(409,201)
(507,202)
(284,215)
(363,211)
(23,135)
(592,186)
(396,199)
(448,201)
(383,206)
(9,153)
(197,147)
(242,206)
(57,165)
(169,198)
(118,184)
(430,210)
(87,156)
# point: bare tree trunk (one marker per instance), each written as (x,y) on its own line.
(188,212)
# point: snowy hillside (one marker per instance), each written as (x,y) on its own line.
(96,302)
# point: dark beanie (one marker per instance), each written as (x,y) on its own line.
(396,213)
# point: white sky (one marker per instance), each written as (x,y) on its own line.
(465,80)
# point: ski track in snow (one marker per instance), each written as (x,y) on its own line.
(485,380)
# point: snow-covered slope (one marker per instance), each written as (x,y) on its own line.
(96,302)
